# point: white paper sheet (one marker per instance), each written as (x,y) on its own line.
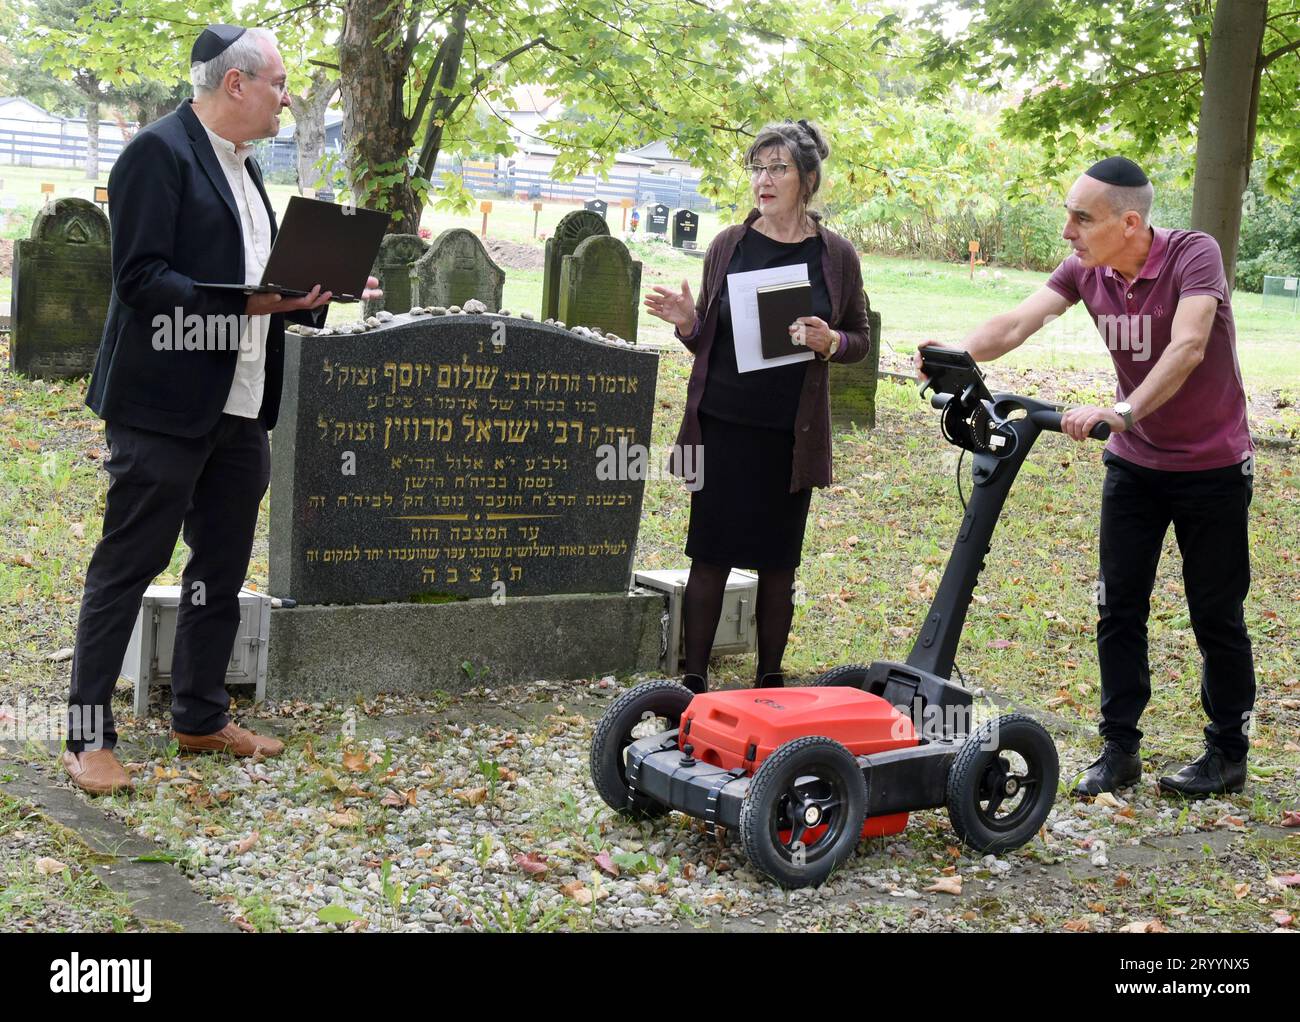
(742,292)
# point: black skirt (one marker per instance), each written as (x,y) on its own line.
(744,516)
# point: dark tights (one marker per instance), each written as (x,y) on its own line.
(703,609)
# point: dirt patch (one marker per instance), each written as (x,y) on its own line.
(514,255)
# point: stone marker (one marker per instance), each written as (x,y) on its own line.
(62,281)
(457,268)
(600,287)
(456,455)
(656,218)
(572,229)
(397,255)
(852,386)
(597,206)
(686,228)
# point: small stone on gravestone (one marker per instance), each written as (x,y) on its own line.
(397,254)
(686,228)
(62,281)
(457,268)
(474,305)
(600,286)
(570,232)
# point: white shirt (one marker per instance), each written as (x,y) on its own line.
(245,399)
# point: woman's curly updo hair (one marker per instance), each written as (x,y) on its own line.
(807,148)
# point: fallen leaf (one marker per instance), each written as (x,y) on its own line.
(392,798)
(412,796)
(1288,879)
(1226,822)
(48,867)
(78,530)
(472,796)
(243,923)
(578,891)
(1107,799)
(1239,891)
(347,818)
(60,655)
(946,885)
(1078,926)
(1291,818)
(1144,926)
(1097,906)
(953,851)
(1001,644)
(355,762)
(1123,880)
(606,864)
(531,862)
(1127,812)
(1282,917)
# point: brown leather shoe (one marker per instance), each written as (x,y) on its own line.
(233,739)
(97,771)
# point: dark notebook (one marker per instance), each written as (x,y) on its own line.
(320,243)
(779,305)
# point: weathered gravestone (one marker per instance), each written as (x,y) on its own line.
(852,386)
(600,287)
(62,281)
(656,219)
(571,231)
(457,268)
(596,206)
(422,459)
(397,255)
(686,228)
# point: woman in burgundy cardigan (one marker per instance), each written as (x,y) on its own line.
(765,435)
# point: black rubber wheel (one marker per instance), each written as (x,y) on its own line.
(803,814)
(847,676)
(647,709)
(1002,784)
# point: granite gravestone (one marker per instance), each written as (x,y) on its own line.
(852,386)
(455,269)
(441,455)
(62,281)
(398,254)
(571,231)
(597,206)
(686,228)
(600,287)
(656,219)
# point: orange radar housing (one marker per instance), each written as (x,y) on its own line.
(741,728)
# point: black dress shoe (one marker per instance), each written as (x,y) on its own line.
(774,680)
(696,683)
(1212,773)
(1112,770)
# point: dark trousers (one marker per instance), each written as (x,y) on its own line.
(211,486)
(1208,510)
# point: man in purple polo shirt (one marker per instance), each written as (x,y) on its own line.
(1180,452)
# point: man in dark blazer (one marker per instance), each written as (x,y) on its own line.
(187,380)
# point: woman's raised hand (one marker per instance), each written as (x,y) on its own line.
(675,307)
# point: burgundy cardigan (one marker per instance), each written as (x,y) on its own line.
(812,423)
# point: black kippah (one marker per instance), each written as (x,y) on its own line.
(1116,170)
(212,41)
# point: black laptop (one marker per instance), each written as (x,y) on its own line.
(320,243)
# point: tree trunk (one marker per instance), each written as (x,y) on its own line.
(92,140)
(1226,130)
(309,129)
(373,62)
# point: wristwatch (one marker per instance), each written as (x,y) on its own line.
(1125,411)
(835,346)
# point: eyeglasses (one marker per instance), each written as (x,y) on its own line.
(282,86)
(774,170)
